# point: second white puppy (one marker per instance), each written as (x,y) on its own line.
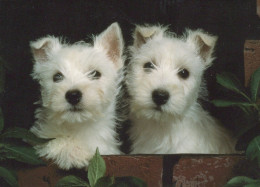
(79,84)
(164,80)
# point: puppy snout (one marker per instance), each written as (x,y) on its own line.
(73,96)
(160,97)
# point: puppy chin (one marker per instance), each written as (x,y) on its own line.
(155,113)
(76,115)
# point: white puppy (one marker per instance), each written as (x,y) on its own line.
(79,84)
(164,81)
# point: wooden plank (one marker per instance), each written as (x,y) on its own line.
(148,168)
(185,170)
(204,171)
(251,58)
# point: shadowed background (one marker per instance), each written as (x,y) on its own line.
(232,21)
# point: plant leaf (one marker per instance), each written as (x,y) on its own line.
(22,154)
(239,181)
(71,180)
(105,181)
(253,184)
(25,134)
(231,82)
(253,150)
(8,176)
(1,120)
(226,103)
(255,84)
(129,181)
(96,168)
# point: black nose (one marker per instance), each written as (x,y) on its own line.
(160,97)
(73,96)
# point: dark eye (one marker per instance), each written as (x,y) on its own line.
(58,77)
(184,73)
(148,66)
(95,74)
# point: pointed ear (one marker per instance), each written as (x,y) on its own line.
(111,41)
(143,33)
(43,47)
(204,44)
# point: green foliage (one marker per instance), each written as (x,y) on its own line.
(231,82)
(253,150)
(71,180)
(96,169)
(255,85)
(241,181)
(8,176)
(23,154)
(251,108)
(24,134)
(20,152)
(248,104)
(96,172)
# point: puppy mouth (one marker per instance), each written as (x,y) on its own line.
(75,109)
(158,108)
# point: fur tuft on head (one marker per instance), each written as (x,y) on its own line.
(111,40)
(142,34)
(203,43)
(42,48)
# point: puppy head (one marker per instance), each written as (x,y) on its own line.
(165,72)
(79,81)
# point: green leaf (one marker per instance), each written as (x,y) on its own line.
(226,103)
(96,168)
(253,150)
(1,120)
(129,182)
(255,84)
(25,134)
(71,180)
(8,176)
(105,182)
(22,154)
(239,181)
(231,82)
(253,184)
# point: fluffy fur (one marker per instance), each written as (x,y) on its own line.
(180,125)
(77,129)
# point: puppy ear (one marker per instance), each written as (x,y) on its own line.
(143,33)
(42,48)
(111,41)
(204,44)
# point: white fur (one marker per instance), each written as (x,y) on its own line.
(77,134)
(182,126)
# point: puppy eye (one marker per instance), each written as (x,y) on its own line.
(183,73)
(148,66)
(95,74)
(58,77)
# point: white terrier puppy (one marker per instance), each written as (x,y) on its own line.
(164,81)
(79,84)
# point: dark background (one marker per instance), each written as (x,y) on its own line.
(23,21)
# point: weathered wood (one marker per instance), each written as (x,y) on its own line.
(251,58)
(148,168)
(204,171)
(186,170)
